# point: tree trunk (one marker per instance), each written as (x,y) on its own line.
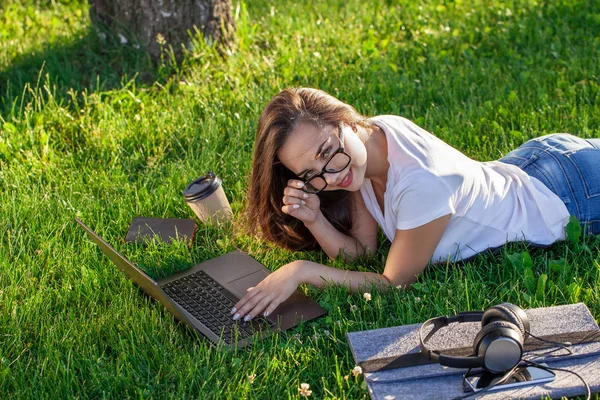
(155,23)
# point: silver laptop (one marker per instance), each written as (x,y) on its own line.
(202,296)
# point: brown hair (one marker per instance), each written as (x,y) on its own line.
(269,178)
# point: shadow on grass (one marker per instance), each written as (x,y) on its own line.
(94,61)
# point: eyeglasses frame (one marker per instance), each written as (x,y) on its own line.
(324,170)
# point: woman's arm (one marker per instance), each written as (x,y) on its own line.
(363,235)
(409,254)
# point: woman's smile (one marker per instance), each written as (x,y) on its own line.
(347,180)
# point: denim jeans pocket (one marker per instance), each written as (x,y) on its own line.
(542,174)
(586,162)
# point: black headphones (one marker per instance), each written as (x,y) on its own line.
(498,347)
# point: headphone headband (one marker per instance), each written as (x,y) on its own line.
(440,322)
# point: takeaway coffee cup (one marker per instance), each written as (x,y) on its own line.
(206,198)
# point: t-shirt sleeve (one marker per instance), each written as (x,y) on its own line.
(425,198)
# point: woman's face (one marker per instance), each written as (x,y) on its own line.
(310,147)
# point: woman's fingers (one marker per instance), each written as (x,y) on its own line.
(295,183)
(272,306)
(250,293)
(294,190)
(252,305)
(292,200)
(291,209)
(267,295)
(291,193)
(299,204)
(258,308)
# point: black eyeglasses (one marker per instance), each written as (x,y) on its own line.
(338,162)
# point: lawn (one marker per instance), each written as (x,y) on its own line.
(89,127)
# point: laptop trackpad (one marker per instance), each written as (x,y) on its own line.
(239,286)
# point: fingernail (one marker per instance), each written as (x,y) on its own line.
(300,184)
(302,202)
(236,317)
(296,206)
(305,195)
(266,314)
(233,310)
(247,318)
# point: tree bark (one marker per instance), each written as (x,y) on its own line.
(158,23)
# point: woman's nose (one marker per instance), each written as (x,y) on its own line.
(331,177)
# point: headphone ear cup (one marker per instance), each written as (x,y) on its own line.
(505,356)
(487,329)
(521,315)
(503,312)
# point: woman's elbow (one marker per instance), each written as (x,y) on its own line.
(344,254)
(349,255)
(365,249)
(393,281)
(399,281)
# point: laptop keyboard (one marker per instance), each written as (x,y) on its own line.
(202,296)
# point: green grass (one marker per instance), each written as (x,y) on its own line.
(90,127)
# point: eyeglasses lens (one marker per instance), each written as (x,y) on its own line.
(315,185)
(338,162)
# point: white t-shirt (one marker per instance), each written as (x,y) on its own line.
(490,203)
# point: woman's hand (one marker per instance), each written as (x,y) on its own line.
(269,293)
(299,204)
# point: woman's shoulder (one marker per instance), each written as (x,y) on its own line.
(401,128)
(407,143)
(390,119)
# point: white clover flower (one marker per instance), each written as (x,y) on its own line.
(304,391)
(356,371)
(251,378)
(353,308)
(367,296)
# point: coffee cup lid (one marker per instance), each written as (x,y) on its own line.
(202,187)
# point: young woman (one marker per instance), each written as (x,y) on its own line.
(325,176)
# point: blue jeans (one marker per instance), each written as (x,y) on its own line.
(570,167)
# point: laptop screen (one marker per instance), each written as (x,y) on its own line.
(138,276)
